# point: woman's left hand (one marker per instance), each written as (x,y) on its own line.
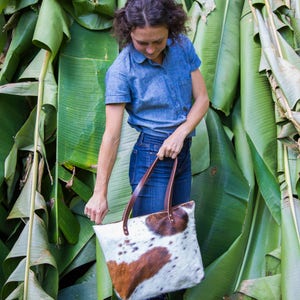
(171,147)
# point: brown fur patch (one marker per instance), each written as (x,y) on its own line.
(126,277)
(160,223)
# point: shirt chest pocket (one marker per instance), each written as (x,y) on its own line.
(150,91)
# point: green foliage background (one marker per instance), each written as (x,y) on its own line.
(54,55)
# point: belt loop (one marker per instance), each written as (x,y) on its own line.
(141,137)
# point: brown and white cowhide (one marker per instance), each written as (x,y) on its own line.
(156,257)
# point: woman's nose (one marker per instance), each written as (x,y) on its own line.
(150,49)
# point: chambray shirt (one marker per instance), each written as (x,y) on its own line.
(158,97)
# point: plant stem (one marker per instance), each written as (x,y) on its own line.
(35,171)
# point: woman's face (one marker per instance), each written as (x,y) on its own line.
(150,41)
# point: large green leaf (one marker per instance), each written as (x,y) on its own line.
(3,253)
(66,254)
(222,196)
(267,288)
(3,4)
(3,34)
(52,25)
(62,220)
(282,64)
(290,252)
(23,140)
(21,208)
(95,16)
(85,288)
(217,43)
(200,149)
(224,206)
(32,73)
(83,64)
(80,188)
(85,257)
(21,42)
(35,290)
(13,113)
(40,254)
(258,115)
(265,236)
(235,161)
(15,6)
(104,286)
(20,89)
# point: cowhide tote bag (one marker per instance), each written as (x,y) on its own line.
(152,254)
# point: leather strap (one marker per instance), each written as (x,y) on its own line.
(168,195)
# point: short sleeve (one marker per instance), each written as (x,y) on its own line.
(192,56)
(117,89)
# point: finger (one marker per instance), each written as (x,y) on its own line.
(160,155)
(100,217)
(92,216)
(174,155)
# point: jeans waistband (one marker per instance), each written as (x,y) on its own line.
(147,138)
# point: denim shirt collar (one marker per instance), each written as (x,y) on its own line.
(139,57)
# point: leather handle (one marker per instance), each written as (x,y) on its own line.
(168,195)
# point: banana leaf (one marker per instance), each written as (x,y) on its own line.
(93,16)
(23,140)
(63,224)
(290,208)
(34,290)
(290,252)
(20,89)
(83,63)
(19,46)
(226,204)
(281,65)
(86,257)
(32,73)
(200,159)
(51,28)
(65,254)
(264,237)
(83,190)
(17,109)
(223,173)
(3,34)
(3,253)
(104,284)
(21,208)
(85,288)
(78,57)
(220,30)
(13,113)
(32,140)
(39,255)
(241,224)
(3,4)
(267,288)
(15,6)
(258,115)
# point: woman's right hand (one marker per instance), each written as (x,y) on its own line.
(96,208)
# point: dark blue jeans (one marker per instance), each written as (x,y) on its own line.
(151,197)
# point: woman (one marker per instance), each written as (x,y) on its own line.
(156,78)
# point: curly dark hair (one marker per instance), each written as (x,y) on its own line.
(141,13)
